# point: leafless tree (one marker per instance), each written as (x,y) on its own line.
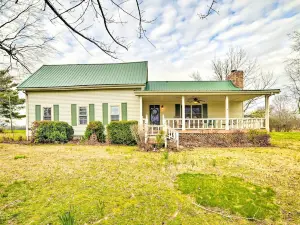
(22,17)
(254,78)
(23,38)
(293,68)
(196,76)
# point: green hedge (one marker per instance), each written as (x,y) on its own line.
(51,132)
(97,128)
(119,132)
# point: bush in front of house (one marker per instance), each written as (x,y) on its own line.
(51,132)
(95,127)
(119,132)
(258,138)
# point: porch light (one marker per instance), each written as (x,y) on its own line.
(162,106)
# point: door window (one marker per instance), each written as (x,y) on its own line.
(155,114)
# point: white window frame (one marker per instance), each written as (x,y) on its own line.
(109,111)
(42,113)
(87,115)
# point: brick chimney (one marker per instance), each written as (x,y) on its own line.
(237,78)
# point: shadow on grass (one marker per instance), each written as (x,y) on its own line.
(231,194)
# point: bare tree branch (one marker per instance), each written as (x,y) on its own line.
(209,11)
(196,76)
(254,78)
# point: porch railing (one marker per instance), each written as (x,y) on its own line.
(216,123)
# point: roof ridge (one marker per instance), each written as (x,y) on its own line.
(80,64)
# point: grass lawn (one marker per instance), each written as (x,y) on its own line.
(16,135)
(119,185)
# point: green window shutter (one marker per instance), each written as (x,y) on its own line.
(91,112)
(105,113)
(124,111)
(74,115)
(204,110)
(177,110)
(56,112)
(37,112)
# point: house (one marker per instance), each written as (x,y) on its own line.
(79,93)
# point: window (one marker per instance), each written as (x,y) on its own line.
(47,113)
(193,111)
(188,112)
(197,111)
(115,113)
(82,115)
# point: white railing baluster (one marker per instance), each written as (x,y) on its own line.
(213,123)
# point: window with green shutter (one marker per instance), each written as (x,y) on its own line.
(38,113)
(56,112)
(124,111)
(204,110)
(74,115)
(91,112)
(105,113)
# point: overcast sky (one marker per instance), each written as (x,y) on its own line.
(184,43)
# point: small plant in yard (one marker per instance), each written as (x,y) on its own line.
(165,155)
(95,127)
(230,193)
(214,163)
(160,139)
(100,208)
(20,157)
(67,219)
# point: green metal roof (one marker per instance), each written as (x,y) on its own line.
(49,76)
(190,86)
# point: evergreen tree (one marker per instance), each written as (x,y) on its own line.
(10,103)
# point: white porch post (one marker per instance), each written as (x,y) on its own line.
(141,110)
(226,113)
(267,112)
(183,112)
(27,116)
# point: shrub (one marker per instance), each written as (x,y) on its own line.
(95,127)
(51,132)
(259,137)
(139,135)
(1,130)
(119,132)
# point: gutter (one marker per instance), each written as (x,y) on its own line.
(91,87)
(237,92)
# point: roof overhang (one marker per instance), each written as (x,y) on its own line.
(93,87)
(237,92)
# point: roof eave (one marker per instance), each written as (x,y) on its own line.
(87,87)
(229,92)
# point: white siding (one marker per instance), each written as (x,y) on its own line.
(83,98)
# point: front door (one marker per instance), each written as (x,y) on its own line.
(155,114)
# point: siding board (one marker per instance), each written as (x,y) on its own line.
(65,98)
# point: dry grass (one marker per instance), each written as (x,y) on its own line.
(135,187)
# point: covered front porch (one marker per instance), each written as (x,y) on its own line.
(192,112)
